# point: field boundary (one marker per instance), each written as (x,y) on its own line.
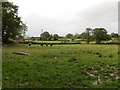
(118,43)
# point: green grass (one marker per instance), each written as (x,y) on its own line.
(48,41)
(61,66)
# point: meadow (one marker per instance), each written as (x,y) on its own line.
(61,66)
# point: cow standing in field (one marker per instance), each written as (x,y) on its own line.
(29,44)
(51,44)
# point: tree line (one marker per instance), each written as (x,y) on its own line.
(96,34)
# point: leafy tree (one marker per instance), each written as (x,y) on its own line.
(100,35)
(56,37)
(114,35)
(50,37)
(12,26)
(45,36)
(33,38)
(83,35)
(77,35)
(108,37)
(88,34)
(69,35)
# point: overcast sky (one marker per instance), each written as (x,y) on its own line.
(68,16)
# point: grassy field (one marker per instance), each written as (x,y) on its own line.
(61,66)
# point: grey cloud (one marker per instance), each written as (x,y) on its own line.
(107,10)
(104,15)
